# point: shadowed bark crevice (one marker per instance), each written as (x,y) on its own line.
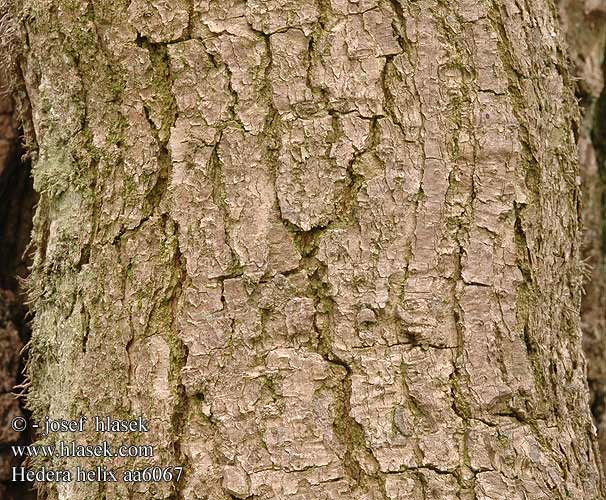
(594,303)
(17,200)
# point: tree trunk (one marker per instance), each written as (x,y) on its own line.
(329,250)
(585,26)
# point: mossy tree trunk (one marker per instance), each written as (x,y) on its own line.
(329,249)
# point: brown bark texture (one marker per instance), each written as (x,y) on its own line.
(585,25)
(9,337)
(331,249)
(15,226)
(10,346)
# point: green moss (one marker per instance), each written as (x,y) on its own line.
(53,173)
(168,249)
(461,405)
(116,131)
(504,441)
(82,39)
(117,89)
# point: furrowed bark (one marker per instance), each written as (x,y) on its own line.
(330,249)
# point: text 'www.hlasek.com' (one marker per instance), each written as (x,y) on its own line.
(39,455)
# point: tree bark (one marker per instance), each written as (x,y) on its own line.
(329,249)
(10,346)
(10,343)
(16,204)
(585,25)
